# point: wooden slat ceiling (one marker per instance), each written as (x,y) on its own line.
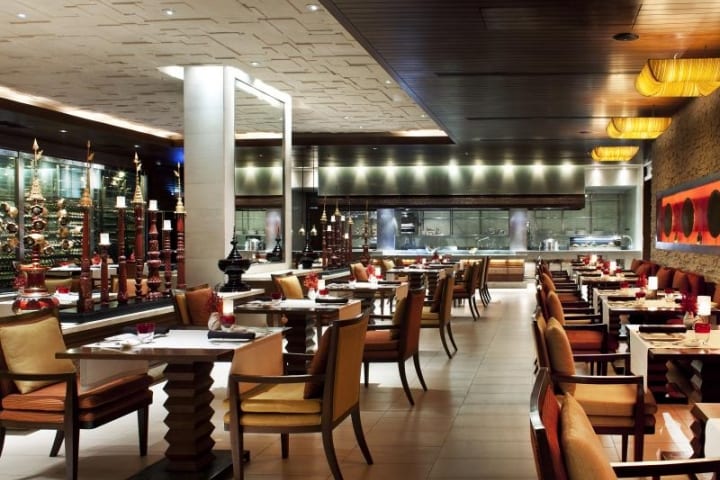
(532,79)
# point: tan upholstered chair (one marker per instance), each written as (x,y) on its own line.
(192,305)
(616,404)
(316,402)
(398,342)
(566,447)
(130,282)
(289,285)
(39,391)
(359,271)
(53,284)
(439,313)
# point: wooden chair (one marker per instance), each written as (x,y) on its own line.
(359,271)
(565,447)
(466,289)
(39,391)
(483,289)
(130,282)
(439,313)
(616,404)
(398,342)
(316,402)
(192,305)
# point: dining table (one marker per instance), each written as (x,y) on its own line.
(650,352)
(303,318)
(189,356)
(617,312)
(368,292)
(420,275)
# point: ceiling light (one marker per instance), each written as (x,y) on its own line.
(311,7)
(254,64)
(62,130)
(169,12)
(637,127)
(679,77)
(614,154)
(22,15)
(388,82)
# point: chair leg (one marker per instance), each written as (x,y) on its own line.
(72,441)
(473,301)
(285,445)
(450,335)
(57,443)
(2,438)
(143,415)
(416,361)
(639,446)
(366,370)
(236,439)
(403,379)
(329,447)
(624,447)
(360,435)
(444,341)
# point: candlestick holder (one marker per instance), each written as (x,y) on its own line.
(104,277)
(85,301)
(180,229)
(167,258)
(138,207)
(153,262)
(122,296)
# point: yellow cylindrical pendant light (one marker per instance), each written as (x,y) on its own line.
(614,154)
(679,77)
(637,127)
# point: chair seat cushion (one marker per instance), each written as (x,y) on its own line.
(611,400)
(429,316)
(585,340)
(52,397)
(281,398)
(380,340)
(274,420)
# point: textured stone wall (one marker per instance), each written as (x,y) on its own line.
(689,149)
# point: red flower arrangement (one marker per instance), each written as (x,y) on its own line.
(214,304)
(311,281)
(688,303)
(370,269)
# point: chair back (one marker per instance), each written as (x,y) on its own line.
(288,284)
(545,429)
(472,273)
(192,305)
(359,271)
(342,377)
(410,328)
(482,281)
(554,307)
(538,326)
(446,301)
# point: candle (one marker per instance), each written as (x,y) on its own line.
(167,225)
(227,306)
(104,239)
(652,283)
(120,202)
(152,205)
(704,305)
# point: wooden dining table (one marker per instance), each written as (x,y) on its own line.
(189,357)
(367,292)
(304,318)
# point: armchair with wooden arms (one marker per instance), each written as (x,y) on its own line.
(439,313)
(192,305)
(38,391)
(565,447)
(289,285)
(316,402)
(616,404)
(398,342)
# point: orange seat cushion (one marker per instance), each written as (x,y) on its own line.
(198,305)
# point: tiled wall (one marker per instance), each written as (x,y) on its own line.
(688,150)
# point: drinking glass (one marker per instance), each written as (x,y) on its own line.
(702,332)
(145,331)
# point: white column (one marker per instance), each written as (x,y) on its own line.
(209,105)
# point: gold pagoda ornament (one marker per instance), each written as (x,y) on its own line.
(137,196)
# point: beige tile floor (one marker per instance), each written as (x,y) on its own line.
(472,423)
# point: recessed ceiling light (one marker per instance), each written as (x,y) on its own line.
(423,116)
(346,117)
(62,130)
(625,37)
(311,7)
(136,146)
(22,15)
(254,64)
(388,82)
(169,12)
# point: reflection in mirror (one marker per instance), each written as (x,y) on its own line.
(262,174)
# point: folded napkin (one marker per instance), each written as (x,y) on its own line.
(231,335)
(712,437)
(389,282)
(159,329)
(331,300)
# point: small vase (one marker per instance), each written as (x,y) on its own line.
(689,320)
(311,293)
